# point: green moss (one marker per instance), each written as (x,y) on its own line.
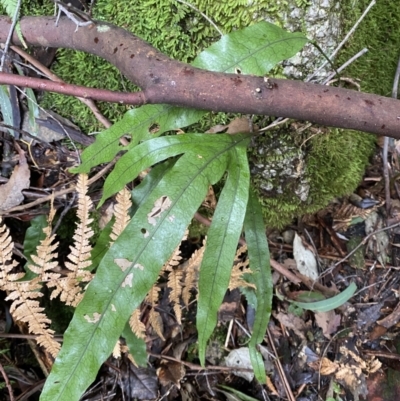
(304,180)
(379,32)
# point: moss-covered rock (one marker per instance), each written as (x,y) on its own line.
(297,173)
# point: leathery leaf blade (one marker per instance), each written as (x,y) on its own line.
(222,240)
(151,152)
(330,303)
(150,181)
(143,247)
(252,50)
(143,123)
(258,252)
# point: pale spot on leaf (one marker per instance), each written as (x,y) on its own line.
(171,218)
(96,317)
(138,266)
(113,308)
(103,28)
(160,205)
(123,263)
(128,280)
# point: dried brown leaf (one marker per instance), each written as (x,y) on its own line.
(11,192)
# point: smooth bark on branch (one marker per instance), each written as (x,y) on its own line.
(164,80)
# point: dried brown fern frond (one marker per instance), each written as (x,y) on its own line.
(191,270)
(6,261)
(239,269)
(69,287)
(175,258)
(154,317)
(116,353)
(121,213)
(26,308)
(237,274)
(174,282)
(175,285)
(44,260)
(136,325)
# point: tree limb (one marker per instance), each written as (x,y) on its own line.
(164,80)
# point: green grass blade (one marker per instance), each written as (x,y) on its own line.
(222,240)
(258,251)
(143,247)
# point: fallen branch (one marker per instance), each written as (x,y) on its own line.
(164,80)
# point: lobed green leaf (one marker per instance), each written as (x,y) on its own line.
(143,247)
(143,123)
(153,151)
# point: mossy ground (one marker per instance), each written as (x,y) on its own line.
(335,160)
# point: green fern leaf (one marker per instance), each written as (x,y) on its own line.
(258,252)
(154,151)
(222,240)
(132,264)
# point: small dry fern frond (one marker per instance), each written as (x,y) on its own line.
(175,284)
(154,317)
(136,325)
(6,262)
(69,287)
(121,213)
(237,273)
(43,261)
(25,308)
(240,268)
(192,273)
(175,275)
(117,350)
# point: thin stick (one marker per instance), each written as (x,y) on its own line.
(345,65)
(358,246)
(10,33)
(373,2)
(9,388)
(133,98)
(282,374)
(203,15)
(386,145)
(88,102)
